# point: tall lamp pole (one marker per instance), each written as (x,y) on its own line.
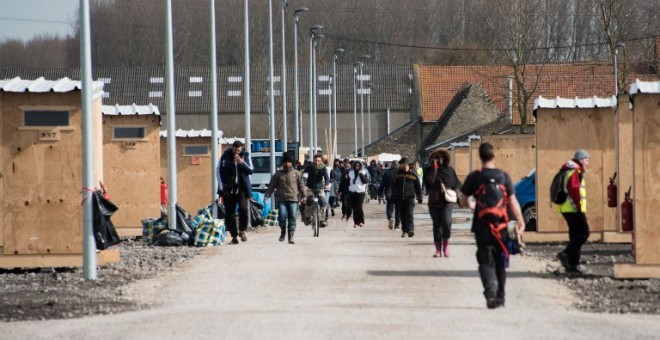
(616,68)
(295,71)
(214,109)
(317,36)
(355,66)
(246,80)
(271,88)
(285,137)
(369,87)
(312,88)
(364,57)
(334,99)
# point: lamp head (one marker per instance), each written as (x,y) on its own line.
(300,10)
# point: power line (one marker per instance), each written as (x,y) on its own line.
(501,49)
(48,21)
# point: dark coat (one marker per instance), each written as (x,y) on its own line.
(406,186)
(232,175)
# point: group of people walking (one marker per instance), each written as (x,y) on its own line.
(401,186)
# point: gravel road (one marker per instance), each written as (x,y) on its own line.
(348,283)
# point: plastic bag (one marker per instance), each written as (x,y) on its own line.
(105,234)
(170,238)
(256,211)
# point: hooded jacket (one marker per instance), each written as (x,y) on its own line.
(576,199)
(233,175)
(287,185)
(406,186)
(433,177)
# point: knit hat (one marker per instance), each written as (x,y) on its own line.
(286,158)
(581,154)
(403,160)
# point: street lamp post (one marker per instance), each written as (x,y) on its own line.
(295,70)
(334,98)
(616,68)
(312,88)
(369,87)
(355,107)
(364,57)
(271,88)
(317,36)
(330,142)
(246,80)
(285,137)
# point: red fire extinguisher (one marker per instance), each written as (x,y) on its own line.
(612,193)
(627,213)
(163,191)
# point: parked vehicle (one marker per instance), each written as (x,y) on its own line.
(526,194)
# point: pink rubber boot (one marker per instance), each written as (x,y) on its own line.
(438,249)
(445,247)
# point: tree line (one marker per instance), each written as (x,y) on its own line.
(127,33)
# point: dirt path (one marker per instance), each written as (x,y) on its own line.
(348,283)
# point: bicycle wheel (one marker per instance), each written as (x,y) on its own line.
(317,222)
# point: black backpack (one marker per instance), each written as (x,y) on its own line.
(557,193)
(492,203)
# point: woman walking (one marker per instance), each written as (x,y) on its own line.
(406,188)
(437,175)
(358,183)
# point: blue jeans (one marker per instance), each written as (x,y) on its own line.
(287,211)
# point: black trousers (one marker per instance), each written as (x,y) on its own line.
(441,217)
(232,198)
(578,233)
(357,200)
(491,265)
(346,205)
(406,209)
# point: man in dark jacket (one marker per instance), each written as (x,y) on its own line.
(317,181)
(234,170)
(406,188)
(289,189)
(385,190)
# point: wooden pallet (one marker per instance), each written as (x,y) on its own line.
(636,271)
(535,237)
(56,260)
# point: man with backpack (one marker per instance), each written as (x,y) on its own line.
(495,197)
(573,208)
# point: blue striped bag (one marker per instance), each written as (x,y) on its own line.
(210,233)
(271,219)
(151,227)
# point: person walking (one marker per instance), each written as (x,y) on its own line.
(385,190)
(574,210)
(344,194)
(234,170)
(439,176)
(358,179)
(289,189)
(335,180)
(317,181)
(489,224)
(406,188)
(375,174)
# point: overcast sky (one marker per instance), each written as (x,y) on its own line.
(24,19)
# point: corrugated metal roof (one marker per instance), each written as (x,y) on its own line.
(124,110)
(460,144)
(123,85)
(644,87)
(41,85)
(568,103)
(180,133)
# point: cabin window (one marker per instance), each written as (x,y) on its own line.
(38,118)
(128,132)
(195,150)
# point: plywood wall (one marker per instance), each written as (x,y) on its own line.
(194,180)
(559,132)
(624,151)
(646,144)
(132,170)
(42,180)
(475,163)
(460,156)
(515,154)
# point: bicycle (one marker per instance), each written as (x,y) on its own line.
(316,219)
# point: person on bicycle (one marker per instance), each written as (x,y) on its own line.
(358,179)
(289,189)
(317,181)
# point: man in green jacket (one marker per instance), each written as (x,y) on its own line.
(289,189)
